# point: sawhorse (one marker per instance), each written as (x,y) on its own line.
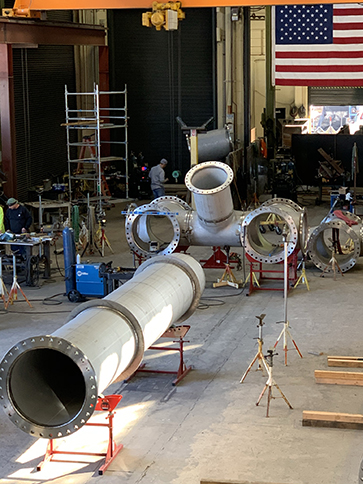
(107,403)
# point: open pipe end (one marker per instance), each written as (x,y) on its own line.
(334,237)
(47,387)
(209,178)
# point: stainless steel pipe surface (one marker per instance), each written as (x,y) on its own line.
(49,385)
(333,234)
(210,184)
(263,229)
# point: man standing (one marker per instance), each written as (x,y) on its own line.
(157,177)
(17,217)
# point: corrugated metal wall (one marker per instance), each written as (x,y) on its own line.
(39,78)
(168,74)
(349,96)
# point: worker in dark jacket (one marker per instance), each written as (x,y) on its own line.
(17,217)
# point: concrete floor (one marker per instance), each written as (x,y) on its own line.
(209,427)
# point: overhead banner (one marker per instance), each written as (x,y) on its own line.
(318,45)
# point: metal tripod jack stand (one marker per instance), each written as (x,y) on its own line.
(270,384)
(285,330)
(13,294)
(334,265)
(3,291)
(302,279)
(262,363)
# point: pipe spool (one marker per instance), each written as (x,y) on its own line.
(320,243)
(215,144)
(214,222)
(263,229)
(49,384)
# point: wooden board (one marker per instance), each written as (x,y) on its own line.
(212,481)
(346,361)
(339,377)
(332,419)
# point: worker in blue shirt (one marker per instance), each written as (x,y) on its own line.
(17,217)
(157,177)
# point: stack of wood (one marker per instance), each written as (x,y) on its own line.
(329,169)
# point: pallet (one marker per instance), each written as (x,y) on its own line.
(339,377)
(346,361)
(332,419)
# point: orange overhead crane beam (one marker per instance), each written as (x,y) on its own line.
(27,5)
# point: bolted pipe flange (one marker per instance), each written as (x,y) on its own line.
(49,353)
(209,177)
(268,247)
(138,232)
(319,246)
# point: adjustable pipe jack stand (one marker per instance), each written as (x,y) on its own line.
(3,291)
(270,384)
(13,294)
(228,278)
(333,263)
(285,332)
(303,279)
(262,363)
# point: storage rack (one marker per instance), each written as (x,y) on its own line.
(93,120)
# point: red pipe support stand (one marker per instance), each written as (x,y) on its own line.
(217,260)
(256,271)
(106,403)
(183,370)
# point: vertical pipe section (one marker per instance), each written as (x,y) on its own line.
(49,384)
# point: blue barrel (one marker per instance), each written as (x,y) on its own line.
(69,252)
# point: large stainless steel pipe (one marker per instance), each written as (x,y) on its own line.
(49,384)
(263,229)
(214,222)
(335,231)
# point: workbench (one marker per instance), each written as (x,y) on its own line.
(50,205)
(43,246)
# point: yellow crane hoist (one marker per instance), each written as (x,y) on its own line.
(165,15)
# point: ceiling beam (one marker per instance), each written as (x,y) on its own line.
(19,31)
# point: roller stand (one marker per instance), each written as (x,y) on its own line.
(183,370)
(107,403)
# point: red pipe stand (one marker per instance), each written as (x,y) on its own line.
(218,260)
(107,403)
(183,370)
(256,271)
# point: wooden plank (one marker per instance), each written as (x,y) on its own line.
(346,363)
(339,377)
(212,481)
(330,357)
(332,419)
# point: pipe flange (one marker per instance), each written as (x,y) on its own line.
(254,239)
(77,356)
(188,271)
(140,247)
(282,201)
(202,166)
(318,251)
(130,320)
(169,198)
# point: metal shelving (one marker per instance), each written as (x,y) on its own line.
(90,123)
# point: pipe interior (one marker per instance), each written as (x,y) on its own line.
(46,387)
(149,229)
(209,178)
(344,248)
(265,234)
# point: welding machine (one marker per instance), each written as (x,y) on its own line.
(89,281)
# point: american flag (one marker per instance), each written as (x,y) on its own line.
(318,45)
